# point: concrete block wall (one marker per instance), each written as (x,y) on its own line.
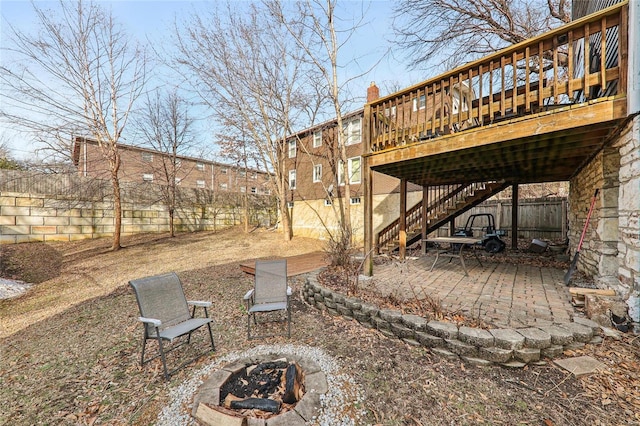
(312,218)
(29,218)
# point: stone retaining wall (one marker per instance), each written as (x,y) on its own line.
(508,347)
(29,217)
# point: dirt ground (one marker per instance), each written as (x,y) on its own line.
(70,346)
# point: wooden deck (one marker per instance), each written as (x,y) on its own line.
(296,265)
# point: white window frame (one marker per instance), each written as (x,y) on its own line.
(177,180)
(317,173)
(390,112)
(355,200)
(200,183)
(292,147)
(223,171)
(292,178)
(147,157)
(242,173)
(147,177)
(352,131)
(317,138)
(350,171)
(254,190)
(224,186)
(200,166)
(290,204)
(327,202)
(243,189)
(422,103)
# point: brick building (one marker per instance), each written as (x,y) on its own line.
(146,165)
(312,166)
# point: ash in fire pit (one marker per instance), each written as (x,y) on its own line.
(262,389)
(263,386)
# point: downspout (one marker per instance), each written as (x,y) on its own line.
(633,74)
(84,157)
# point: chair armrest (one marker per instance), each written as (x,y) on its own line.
(248,295)
(289,291)
(202,303)
(153,321)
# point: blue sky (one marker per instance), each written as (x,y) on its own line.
(152,20)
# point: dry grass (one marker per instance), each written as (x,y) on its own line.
(70,348)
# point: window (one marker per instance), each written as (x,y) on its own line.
(254,190)
(177,180)
(200,183)
(200,166)
(223,171)
(290,204)
(178,163)
(317,173)
(317,138)
(354,170)
(147,157)
(327,202)
(223,186)
(292,148)
(351,130)
(242,173)
(390,112)
(419,103)
(243,189)
(147,177)
(355,200)
(292,179)
(254,175)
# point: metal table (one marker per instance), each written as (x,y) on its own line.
(456,246)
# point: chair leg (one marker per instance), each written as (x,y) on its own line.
(213,346)
(248,326)
(144,345)
(164,361)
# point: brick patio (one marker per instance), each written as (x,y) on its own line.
(503,294)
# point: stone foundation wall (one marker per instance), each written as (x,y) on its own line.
(628,242)
(509,347)
(611,249)
(27,218)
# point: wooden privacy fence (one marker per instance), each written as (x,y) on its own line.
(542,218)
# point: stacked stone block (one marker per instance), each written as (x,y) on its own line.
(508,347)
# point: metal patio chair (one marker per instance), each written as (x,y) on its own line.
(269,294)
(165,314)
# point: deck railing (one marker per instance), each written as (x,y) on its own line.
(580,62)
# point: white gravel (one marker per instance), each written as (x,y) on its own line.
(341,405)
(11,288)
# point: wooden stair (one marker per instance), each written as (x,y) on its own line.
(446,203)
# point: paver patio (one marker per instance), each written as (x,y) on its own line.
(503,294)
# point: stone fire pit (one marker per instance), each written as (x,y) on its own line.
(331,397)
(269,390)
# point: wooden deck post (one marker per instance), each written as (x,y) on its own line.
(402,250)
(368,195)
(514,216)
(425,205)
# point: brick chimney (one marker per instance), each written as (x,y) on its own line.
(373,92)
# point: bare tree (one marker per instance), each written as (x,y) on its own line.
(235,146)
(248,70)
(77,75)
(315,27)
(165,126)
(457,31)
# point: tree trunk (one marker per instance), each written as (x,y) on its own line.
(117,213)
